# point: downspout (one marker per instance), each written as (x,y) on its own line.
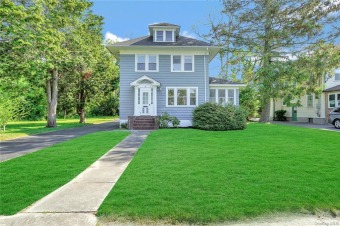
(205,76)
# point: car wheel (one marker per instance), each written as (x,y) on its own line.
(337,123)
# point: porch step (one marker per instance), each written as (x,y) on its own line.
(143,122)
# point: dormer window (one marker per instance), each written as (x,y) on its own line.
(164,36)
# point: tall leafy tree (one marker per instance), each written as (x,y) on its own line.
(270,35)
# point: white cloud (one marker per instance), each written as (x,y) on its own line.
(114,38)
(188,34)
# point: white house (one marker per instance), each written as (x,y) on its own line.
(315,108)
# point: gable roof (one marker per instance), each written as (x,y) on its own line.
(334,88)
(221,81)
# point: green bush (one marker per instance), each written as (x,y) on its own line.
(166,119)
(280,115)
(212,116)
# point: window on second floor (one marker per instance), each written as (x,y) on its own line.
(337,76)
(164,36)
(146,63)
(182,63)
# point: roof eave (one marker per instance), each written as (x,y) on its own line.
(213,50)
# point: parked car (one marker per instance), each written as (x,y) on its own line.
(334,117)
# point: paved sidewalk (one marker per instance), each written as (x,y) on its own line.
(17,147)
(76,202)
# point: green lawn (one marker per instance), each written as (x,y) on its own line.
(24,128)
(26,179)
(193,176)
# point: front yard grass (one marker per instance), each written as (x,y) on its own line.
(28,178)
(24,128)
(194,176)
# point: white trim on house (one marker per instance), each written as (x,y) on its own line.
(182,62)
(147,57)
(218,86)
(175,96)
(151,88)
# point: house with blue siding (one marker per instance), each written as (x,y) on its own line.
(166,72)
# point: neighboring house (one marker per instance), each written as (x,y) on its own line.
(167,72)
(315,108)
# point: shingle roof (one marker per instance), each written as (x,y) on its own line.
(213,80)
(148,41)
(334,88)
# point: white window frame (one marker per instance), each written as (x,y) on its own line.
(147,62)
(182,62)
(164,35)
(175,96)
(312,95)
(226,95)
(336,100)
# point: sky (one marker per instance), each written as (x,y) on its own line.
(127,19)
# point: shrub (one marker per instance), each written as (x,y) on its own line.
(166,119)
(212,116)
(280,115)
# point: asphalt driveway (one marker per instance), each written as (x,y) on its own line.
(308,125)
(17,147)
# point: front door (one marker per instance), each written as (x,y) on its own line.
(145,101)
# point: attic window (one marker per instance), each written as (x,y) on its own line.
(164,36)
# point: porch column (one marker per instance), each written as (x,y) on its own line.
(154,100)
(136,101)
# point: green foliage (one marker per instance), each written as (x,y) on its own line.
(249,101)
(280,115)
(270,44)
(40,36)
(166,119)
(212,116)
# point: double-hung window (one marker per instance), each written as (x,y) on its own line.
(181,96)
(337,76)
(182,63)
(147,63)
(310,101)
(222,96)
(333,100)
(164,36)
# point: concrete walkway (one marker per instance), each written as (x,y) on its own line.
(17,147)
(76,202)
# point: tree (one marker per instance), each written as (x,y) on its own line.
(272,34)
(35,41)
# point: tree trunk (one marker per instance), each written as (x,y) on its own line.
(266,64)
(81,103)
(52,99)
(265,114)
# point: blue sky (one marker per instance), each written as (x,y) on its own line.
(130,19)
